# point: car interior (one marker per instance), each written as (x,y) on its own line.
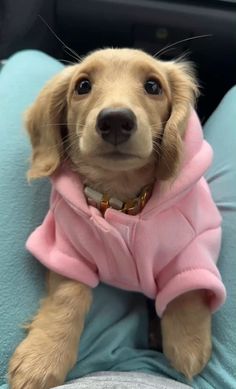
(207,30)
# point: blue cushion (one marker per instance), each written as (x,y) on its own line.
(115,336)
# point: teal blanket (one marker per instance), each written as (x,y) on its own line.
(115,337)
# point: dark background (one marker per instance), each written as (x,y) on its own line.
(85,25)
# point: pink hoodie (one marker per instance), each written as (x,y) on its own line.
(170,248)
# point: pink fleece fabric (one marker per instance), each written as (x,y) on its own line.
(170,248)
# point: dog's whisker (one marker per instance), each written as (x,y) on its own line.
(158,134)
(62,124)
(156,151)
(159,131)
(71,52)
(182,56)
(156,145)
(172,45)
(75,136)
(71,145)
(77,59)
(160,123)
(66,61)
(59,143)
(56,146)
(67,138)
(155,126)
(156,140)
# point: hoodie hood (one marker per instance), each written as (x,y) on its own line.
(197,157)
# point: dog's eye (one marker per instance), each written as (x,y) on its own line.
(153,87)
(83,87)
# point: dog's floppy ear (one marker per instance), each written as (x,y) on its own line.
(184,90)
(43,120)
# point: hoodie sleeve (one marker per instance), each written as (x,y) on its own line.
(49,244)
(195,266)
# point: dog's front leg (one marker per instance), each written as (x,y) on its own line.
(44,358)
(186,333)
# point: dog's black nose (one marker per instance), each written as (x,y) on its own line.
(116,125)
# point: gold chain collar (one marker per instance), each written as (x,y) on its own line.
(130,207)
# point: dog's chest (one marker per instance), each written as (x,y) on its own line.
(127,251)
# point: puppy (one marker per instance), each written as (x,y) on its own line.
(122,144)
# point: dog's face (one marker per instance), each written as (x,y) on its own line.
(119,102)
(118,110)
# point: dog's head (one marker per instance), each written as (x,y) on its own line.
(119,109)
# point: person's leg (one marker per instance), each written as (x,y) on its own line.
(22,207)
(220,131)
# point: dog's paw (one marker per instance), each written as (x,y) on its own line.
(36,364)
(186,333)
(188,353)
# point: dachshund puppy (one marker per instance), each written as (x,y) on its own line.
(119,138)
